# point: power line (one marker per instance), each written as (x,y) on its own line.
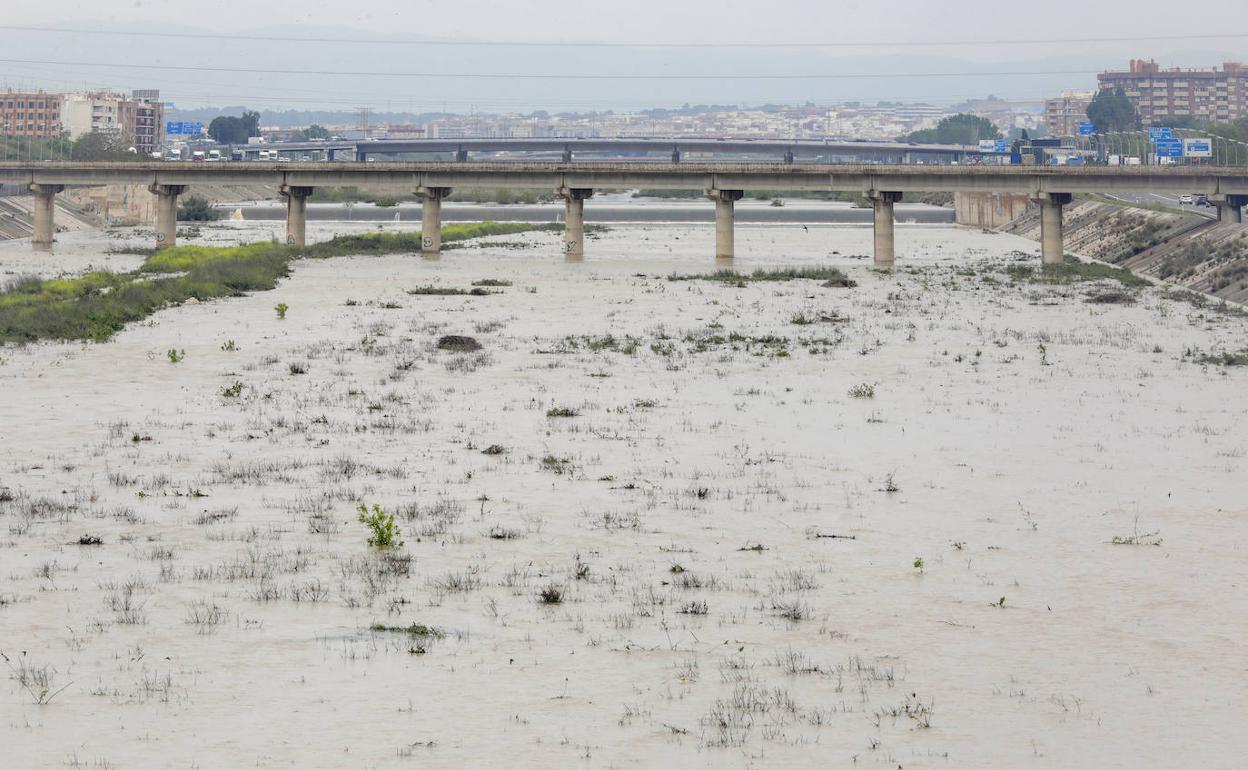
(556,75)
(604,44)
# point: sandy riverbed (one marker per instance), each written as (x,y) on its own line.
(971,612)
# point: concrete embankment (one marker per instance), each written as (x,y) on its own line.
(1185,249)
(17,216)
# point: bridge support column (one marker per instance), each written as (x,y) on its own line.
(166,213)
(1230,207)
(1052,247)
(574,221)
(431,218)
(296,214)
(45,205)
(725,222)
(882,203)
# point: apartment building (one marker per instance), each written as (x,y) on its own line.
(1063,115)
(138,118)
(1163,94)
(30,114)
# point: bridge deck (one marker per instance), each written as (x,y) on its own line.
(1210,180)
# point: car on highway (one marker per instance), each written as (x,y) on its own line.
(1202,200)
(1186,200)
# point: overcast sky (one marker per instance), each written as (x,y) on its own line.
(1066,65)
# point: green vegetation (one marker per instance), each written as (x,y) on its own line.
(96,145)
(415,629)
(1074,271)
(96,305)
(1111,110)
(865,390)
(31,148)
(281,309)
(195,208)
(831,275)
(385,533)
(1225,359)
(314,132)
(962,128)
(225,129)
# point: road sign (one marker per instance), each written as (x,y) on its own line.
(1198,148)
(1001,146)
(1158,132)
(179,128)
(1169,148)
(987,145)
(1086,129)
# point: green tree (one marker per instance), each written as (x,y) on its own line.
(315,132)
(1111,110)
(962,128)
(96,145)
(227,129)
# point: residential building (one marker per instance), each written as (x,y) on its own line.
(1063,115)
(30,114)
(138,118)
(1163,94)
(97,111)
(143,120)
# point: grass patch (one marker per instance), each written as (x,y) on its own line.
(96,305)
(1224,359)
(415,629)
(830,275)
(1073,271)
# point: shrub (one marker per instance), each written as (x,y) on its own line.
(385,533)
(195,208)
(281,309)
(864,390)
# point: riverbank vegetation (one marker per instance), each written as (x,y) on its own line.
(96,305)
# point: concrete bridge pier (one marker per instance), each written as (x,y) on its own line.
(725,222)
(1230,207)
(166,213)
(883,202)
(296,214)
(1052,247)
(45,204)
(431,218)
(574,221)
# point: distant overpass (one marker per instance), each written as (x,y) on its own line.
(666,149)
(1052,187)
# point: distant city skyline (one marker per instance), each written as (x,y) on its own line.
(906,51)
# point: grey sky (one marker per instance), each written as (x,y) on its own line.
(661,21)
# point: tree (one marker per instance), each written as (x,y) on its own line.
(1111,111)
(97,145)
(962,128)
(314,132)
(196,208)
(226,129)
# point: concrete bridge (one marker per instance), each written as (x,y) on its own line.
(671,149)
(723,183)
